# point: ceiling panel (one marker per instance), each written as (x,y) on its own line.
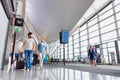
(49,17)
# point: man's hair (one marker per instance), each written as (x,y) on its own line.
(90,46)
(30,33)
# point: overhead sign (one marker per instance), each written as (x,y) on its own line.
(64,37)
(19,22)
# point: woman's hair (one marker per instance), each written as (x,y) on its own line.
(43,37)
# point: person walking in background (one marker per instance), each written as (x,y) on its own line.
(94,56)
(42,49)
(28,47)
(90,55)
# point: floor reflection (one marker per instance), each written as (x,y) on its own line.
(54,74)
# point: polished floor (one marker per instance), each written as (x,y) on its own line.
(53,73)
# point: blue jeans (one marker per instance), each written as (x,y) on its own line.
(28,58)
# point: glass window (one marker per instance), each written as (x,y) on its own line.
(76,50)
(111,44)
(61,53)
(76,40)
(107,8)
(83,49)
(109,36)
(61,45)
(93,34)
(105,15)
(92,22)
(119,32)
(66,56)
(112,50)
(83,33)
(117,8)
(84,43)
(83,27)
(105,53)
(76,45)
(108,28)
(71,56)
(118,24)
(56,55)
(62,56)
(58,50)
(84,38)
(66,49)
(70,47)
(107,21)
(104,45)
(94,40)
(70,43)
(70,38)
(93,28)
(84,55)
(76,36)
(118,16)
(116,2)
(70,51)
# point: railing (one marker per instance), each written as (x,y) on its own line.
(57,46)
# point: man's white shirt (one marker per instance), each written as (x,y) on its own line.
(29,44)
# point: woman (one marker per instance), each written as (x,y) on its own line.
(42,49)
(94,56)
(90,54)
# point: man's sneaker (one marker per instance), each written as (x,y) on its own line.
(41,68)
(30,68)
(27,70)
(38,67)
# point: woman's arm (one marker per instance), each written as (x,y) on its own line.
(23,46)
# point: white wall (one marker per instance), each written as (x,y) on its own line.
(3,31)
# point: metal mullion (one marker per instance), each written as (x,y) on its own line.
(88,34)
(73,45)
(100,37)
(68,50)
(116,25)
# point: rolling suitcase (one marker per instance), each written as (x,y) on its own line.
(20,63)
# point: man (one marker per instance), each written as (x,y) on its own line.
(42,49)
(90,54)
(28,46)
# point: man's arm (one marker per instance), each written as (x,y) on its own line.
(34,46)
